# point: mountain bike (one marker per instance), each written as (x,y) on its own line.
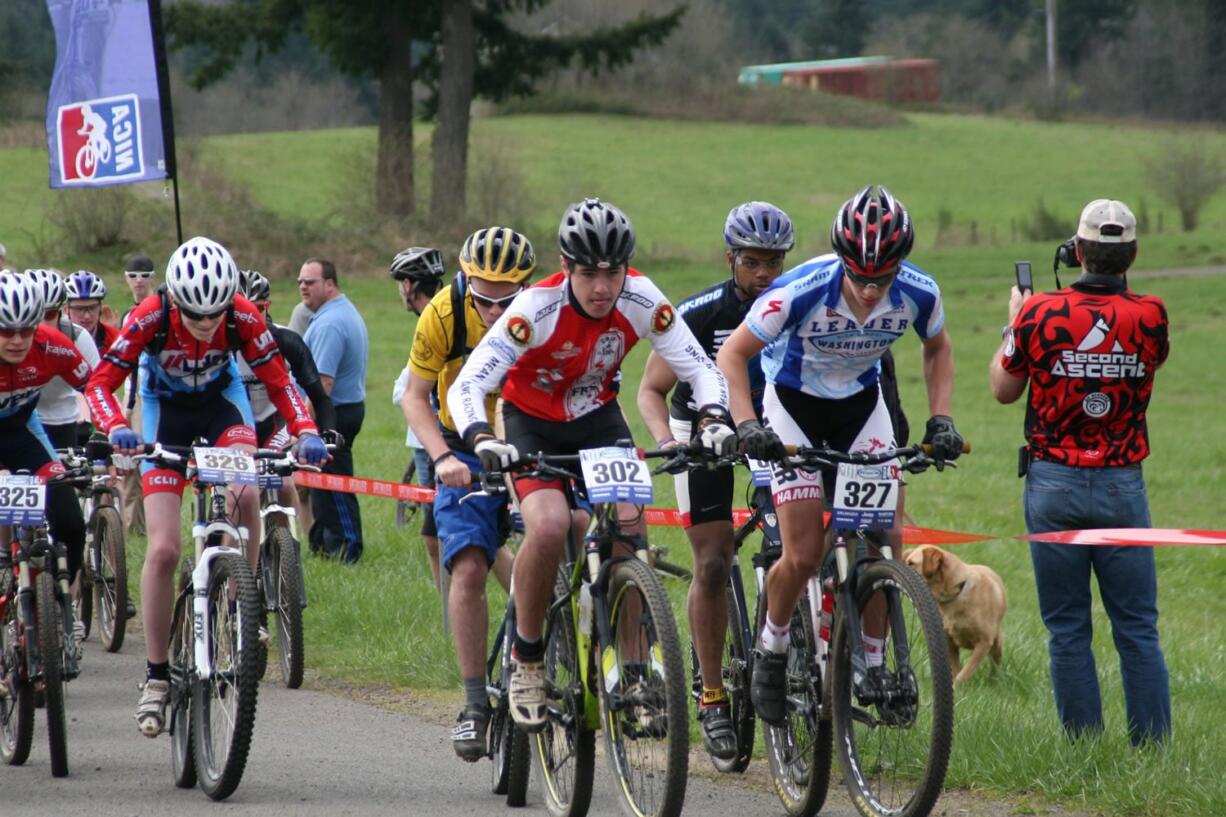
(104,576)
(612,653)
(215,646)
(280,578)
(893,724)
(37,650)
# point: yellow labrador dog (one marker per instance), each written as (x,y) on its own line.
(972,600)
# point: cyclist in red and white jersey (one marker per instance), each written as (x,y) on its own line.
(85,294)
(560,345)
(31,355)
(190,389)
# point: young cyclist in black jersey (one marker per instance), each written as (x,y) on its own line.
(758,236)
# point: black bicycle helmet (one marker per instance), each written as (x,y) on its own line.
(596,234)
(872,233)
(417,264)
(254,285)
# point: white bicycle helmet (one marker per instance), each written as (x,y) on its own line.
(85,285)
(202,276)
(21,301)
(51,286)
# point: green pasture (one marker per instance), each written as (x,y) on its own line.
(378,622)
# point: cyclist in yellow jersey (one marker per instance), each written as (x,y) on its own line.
(495,264)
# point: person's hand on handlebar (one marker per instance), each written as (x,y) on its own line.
(715,431)
(495,454)
(760,443)
(945,440)
(312,450)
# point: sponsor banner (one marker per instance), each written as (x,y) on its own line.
(104,107)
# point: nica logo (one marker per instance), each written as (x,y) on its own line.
(100,140)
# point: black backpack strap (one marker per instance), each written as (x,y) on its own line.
(233,341)
(459,323)
(158,343)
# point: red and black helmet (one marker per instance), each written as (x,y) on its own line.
(872,233)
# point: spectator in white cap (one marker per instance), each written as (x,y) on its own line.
(1089,353)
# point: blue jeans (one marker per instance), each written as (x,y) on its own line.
(1062,497)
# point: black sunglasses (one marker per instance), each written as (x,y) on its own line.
(201,316)
(490,303)
(879,281)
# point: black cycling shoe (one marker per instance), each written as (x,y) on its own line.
(718,736)
(768,689)
(130,611)
(468,735)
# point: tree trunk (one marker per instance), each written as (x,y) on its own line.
(394,165)
(455,93)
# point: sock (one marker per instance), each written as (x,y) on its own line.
(524,650)
(475,693)
(774,637)
(874,650)
(714,697)
(157,672)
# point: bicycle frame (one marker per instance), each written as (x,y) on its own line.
(210,524)
(31,548)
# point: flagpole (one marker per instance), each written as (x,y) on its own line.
(168,118)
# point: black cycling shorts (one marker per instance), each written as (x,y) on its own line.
(531,435)
(703,495)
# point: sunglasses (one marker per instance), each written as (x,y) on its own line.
(879,281)
(201,316)
(26,332)
(134,274)
(490,303)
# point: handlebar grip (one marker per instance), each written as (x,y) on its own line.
(927,447)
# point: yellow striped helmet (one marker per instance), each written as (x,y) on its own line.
(497,254)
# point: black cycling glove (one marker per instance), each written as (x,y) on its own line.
(758,442)
(945,440)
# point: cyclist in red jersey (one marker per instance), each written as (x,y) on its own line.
(1089,354)
(560,345)
(190,388)
(32,354)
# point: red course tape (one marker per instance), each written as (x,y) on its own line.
(912,535)
(1141,537)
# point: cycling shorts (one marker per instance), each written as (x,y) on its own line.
(857,423)
(531,435)
(272,432)
(223,421)
(480,522)
(703,495)
(25,446)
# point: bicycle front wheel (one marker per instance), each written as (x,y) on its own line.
(223,704)
(17,695)
(109,564)
(565,750)
(182,682)
(51,648)
(287,574)
(644,690)
(800,751)
(509,750)
(894,730)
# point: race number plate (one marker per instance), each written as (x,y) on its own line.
(225,466)
(865,496)
(273,481)
(616,475)
(23,499)
(760,471)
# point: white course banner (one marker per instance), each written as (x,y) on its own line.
(865,496)
(23,500)
(225,466)
(615,474)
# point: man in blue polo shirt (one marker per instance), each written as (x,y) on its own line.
(336,337)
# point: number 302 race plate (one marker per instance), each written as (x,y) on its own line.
(616,475)
(225,466)
(865,496)
(22,499)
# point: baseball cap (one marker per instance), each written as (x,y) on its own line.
(1107,221)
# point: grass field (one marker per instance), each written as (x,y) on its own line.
(378,622)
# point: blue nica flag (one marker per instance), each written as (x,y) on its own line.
(108,109)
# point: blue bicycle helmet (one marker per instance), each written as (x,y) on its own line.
(758,225)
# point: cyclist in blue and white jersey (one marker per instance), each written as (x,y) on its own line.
(822,330)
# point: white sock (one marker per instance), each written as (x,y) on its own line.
(874,650)
(775,638)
